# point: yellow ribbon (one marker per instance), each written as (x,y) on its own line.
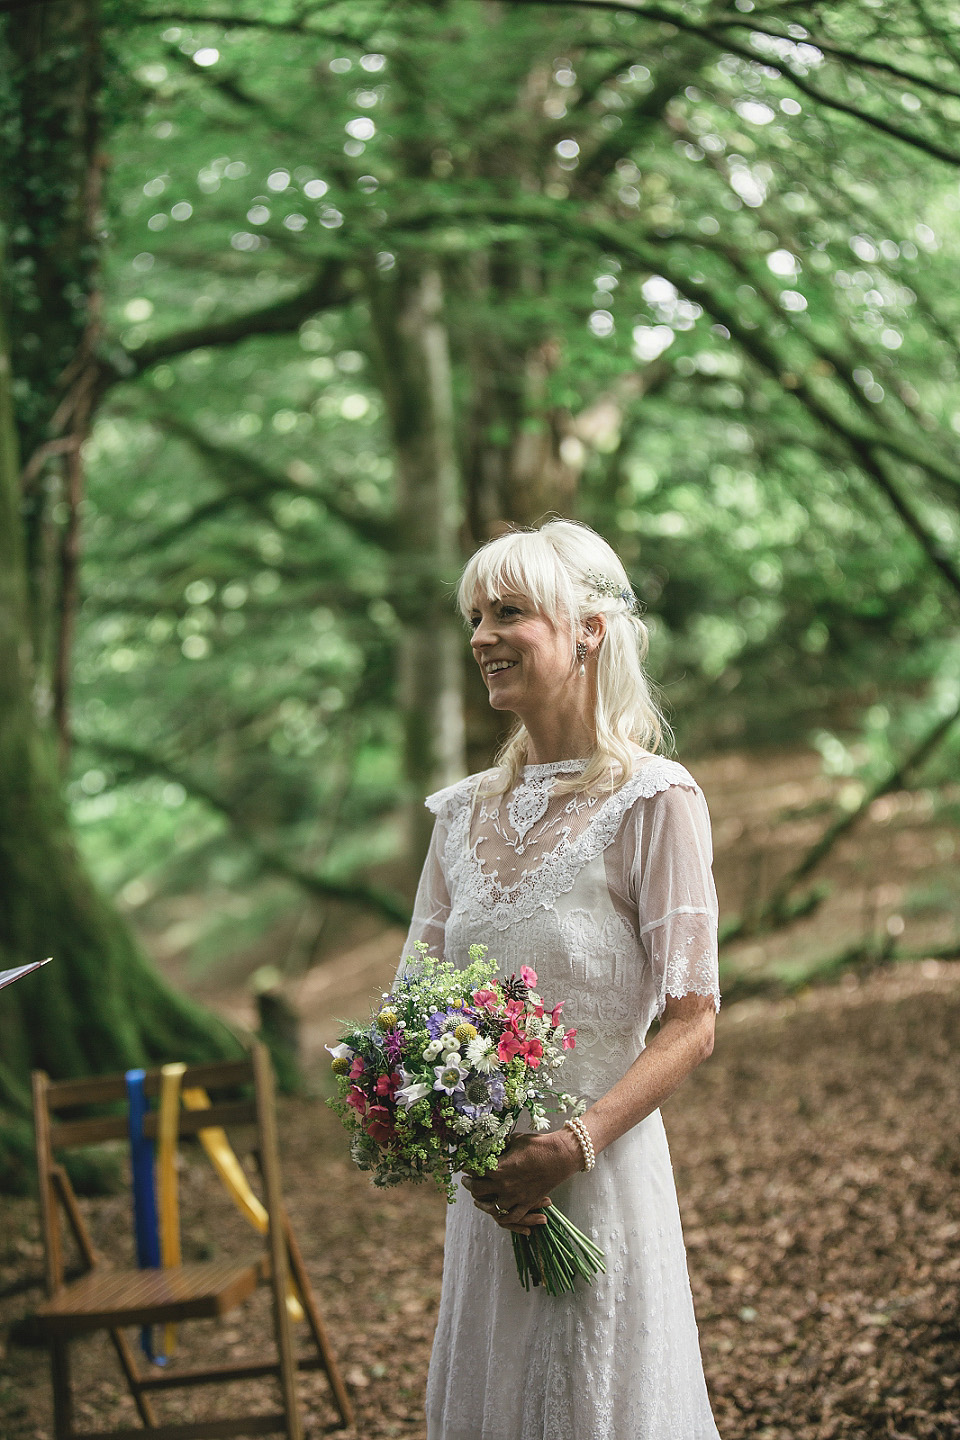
(169,1206)
(228,1167)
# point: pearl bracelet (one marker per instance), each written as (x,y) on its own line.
(586,1144)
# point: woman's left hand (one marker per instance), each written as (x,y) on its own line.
(521,1184)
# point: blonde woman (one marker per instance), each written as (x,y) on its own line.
(585,855)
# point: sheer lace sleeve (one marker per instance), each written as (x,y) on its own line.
(432,905)
(673,888)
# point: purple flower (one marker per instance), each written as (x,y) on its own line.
(393,1046)
(445,1020)
(480,1095)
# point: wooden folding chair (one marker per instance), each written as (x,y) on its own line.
(106,1298)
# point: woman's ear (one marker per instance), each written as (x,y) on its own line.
(595,628)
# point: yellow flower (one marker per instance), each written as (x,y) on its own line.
(340,1065)
(465,1032)
(386,1020)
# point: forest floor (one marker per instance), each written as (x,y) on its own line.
(817,1157)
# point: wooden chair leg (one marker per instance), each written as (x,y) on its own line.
(85,1245)
(129,1365)
(62,1393)
(263,1077)
(317,1327)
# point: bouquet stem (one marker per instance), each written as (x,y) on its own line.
(554,1254)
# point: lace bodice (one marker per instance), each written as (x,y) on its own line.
(609,897)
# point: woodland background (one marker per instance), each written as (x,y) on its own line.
(303,299)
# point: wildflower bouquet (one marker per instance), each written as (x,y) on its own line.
(436,1082)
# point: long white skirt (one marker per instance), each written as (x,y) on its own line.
(617,1360)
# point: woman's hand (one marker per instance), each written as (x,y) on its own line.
(520,1186)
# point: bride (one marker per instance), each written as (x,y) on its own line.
(586,856)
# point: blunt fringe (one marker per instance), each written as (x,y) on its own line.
(558,566)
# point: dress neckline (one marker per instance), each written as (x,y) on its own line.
(553,767)
(571,767)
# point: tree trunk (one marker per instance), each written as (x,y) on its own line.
(413,360)
(517,469)
(99,1006)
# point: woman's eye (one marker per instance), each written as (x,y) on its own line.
(474,621)
(509,610)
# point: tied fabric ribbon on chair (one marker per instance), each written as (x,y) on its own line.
(168,1124)
(145,1222)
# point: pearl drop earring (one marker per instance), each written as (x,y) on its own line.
(581,656)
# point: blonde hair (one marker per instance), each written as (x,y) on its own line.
(570,573)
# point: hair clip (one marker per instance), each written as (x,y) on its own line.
(612,590)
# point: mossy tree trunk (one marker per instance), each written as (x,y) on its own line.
(413,361)
(99,1006)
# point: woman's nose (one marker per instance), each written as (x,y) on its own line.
(481,636)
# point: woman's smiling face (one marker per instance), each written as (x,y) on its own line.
(525,658)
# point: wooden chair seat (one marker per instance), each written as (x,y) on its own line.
(106,1298)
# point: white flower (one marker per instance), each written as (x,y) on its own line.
(449,1042)
(413,1091)
(463,1124)
(432,1051)
(450,1077)
(340,1052)
(541,1122)
(482,1056)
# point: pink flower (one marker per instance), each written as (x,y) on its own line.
(555,1013)
(389,1084)
(515,1008)
(528,976)
(532,1052)
(357,1100)
(568,1042)
(510,1045)
(487,999)
(358,1067)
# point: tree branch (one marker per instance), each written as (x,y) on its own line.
(327,290)
(368,897)
(250,22)
(725,43)
(777,910)
(611,238)
(253,480)
(837,52)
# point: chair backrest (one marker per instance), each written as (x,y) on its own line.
(59,1127)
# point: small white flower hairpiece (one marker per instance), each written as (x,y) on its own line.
(613,590)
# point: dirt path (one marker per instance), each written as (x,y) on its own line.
(817,1159)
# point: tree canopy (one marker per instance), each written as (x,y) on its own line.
(368,281)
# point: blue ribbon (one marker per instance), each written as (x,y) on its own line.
(145,1222)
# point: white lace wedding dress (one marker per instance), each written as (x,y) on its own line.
(611,900)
